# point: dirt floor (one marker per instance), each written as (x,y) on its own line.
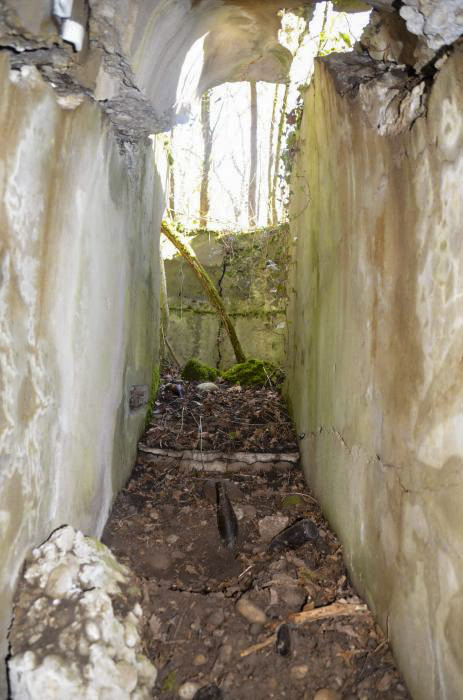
(260,618)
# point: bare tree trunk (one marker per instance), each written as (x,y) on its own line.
(170,162)
(281,126)
(271,157)
(252,201)
(189,256)
(207,141)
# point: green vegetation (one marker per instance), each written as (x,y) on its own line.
(253,372)
(195,370)
(155,381)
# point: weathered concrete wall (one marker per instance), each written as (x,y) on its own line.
(250,271)
(375,370)
(79,287)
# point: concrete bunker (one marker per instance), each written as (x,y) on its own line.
(374,356)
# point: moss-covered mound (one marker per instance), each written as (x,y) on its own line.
(195,370)
(251,372)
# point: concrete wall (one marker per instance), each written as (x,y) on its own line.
(250,271)
(79,286)
(376,368)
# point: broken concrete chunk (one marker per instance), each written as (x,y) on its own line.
(67,640)
(271,525)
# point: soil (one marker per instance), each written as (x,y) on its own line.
(206,605)
(231,418)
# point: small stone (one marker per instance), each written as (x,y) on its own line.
(64,538)
(131,635)
(199,660)
(293,596)
(271,525)
(251,612)
(255,629)
(92,631)
(59,582)
(327,694)
(188,690)
(299,672)
(216,618)
(172,539)
(155,626)
(207,386)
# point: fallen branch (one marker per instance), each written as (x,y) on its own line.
(333,610)
(188,254)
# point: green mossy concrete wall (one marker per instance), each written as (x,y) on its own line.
(375,372)
(250,271)
(79,297)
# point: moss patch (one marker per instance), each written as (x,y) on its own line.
(254,372)
(155,381)
(195,370)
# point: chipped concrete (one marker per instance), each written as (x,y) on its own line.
(76,632)
(376,343)
(78,315)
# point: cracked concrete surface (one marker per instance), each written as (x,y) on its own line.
(376,340)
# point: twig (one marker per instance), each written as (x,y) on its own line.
(258,647)
(243,573)
(333,610)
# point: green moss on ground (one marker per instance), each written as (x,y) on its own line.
(253,372)
(195,370)
(155,382)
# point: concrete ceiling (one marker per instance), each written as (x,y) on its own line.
(134,50)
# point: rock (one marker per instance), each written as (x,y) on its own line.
(188,690)
(155,626)
(299,672)
(327,694)
(293,596)
(251,612)
(271,525)
(295,535)
(61,580)
(283,642)
(255,629)
(216,618)
(208,692)
(92,611)
(199,660)
(207,386)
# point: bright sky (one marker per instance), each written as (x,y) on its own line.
(230,120)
